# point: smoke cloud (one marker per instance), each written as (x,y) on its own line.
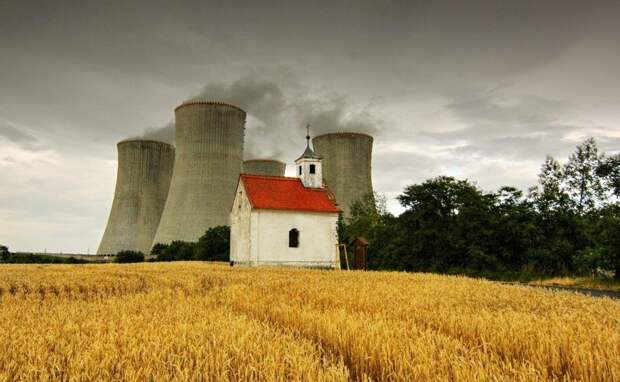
(163,133)
(278,114)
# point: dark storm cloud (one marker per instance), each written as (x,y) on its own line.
(19,136)
(611,145)
(106,56)
(489,116)
(524,148)
(518,129)
(16,135)
(515,147)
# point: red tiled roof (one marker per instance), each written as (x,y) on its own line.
(282,193)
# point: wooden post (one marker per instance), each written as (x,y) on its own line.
(337,260)
(346,255)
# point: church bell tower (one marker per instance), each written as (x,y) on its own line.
(308,166)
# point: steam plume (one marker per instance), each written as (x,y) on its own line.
(276,117)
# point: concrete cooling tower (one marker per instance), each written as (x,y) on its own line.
(347,160)
(266,167)
(142,182)
(209,154)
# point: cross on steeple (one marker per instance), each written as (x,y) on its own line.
(308,153)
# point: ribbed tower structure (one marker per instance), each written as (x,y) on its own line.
(347,166)
(268,167)
(209,155)
(142,182)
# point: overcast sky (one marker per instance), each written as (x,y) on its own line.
(479,90)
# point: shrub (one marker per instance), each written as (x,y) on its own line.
(214,245)
(158,249)
(177,250)
(4,253)
(129,257)
(75,260)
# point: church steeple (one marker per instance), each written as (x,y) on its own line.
(309,168)
(308,153)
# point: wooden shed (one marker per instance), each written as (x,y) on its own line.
(360,253)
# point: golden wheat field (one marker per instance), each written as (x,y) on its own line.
(199,321)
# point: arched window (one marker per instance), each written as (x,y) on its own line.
(299,170)
(293,238)
(312,169)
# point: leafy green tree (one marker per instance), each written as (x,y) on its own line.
(580,172)
(559,235)
(607,236)
(214,245)
(4,253)
(158,249)
(609,171)
(129,257)
(184,250)
(341,228)
(365,213)
(588,260)
(369,218)
(446,221)
(514,228)
(550,194)
(176,251)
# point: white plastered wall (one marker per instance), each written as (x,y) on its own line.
(317,238)
(310,180)
(240,226)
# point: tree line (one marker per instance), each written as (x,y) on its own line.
(29,258)
(214,245)
(567,224)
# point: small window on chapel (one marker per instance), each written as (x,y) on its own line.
(299,170)
(293,238)
(312,169)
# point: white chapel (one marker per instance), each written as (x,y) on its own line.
(284,221)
